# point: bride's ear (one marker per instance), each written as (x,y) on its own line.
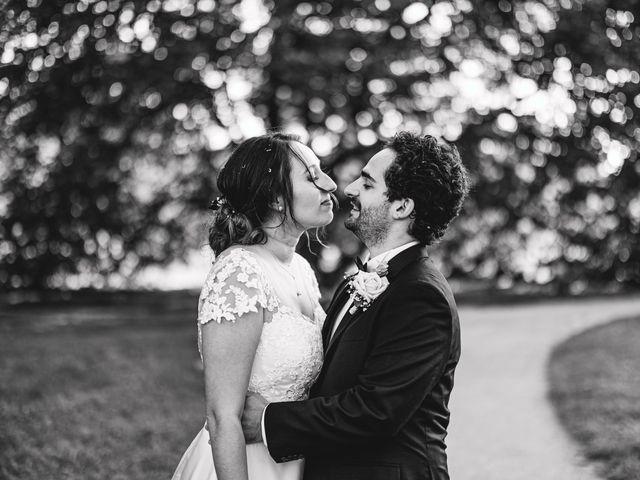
(277,204)
(402,208)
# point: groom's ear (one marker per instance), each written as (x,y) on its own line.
(402,209)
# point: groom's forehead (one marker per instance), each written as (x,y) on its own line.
(378,165)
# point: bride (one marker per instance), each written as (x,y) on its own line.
(259,317)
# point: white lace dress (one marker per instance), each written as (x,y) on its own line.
(287,361)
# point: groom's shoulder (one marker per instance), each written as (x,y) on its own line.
(423,273)
(423,270)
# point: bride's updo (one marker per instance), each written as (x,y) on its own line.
(257,172)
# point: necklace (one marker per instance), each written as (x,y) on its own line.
(295,280)
(288,271)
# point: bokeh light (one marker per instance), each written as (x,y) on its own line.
(117,116)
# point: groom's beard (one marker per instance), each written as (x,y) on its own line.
(371,225)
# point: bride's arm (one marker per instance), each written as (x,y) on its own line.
(228,349)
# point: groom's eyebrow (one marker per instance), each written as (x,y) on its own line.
(366,176)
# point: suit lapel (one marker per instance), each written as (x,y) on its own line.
(346,321)
(336,305)
(396,265)
(404,258)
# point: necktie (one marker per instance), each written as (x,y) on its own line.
(360,265)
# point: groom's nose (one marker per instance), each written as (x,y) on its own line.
(350,190)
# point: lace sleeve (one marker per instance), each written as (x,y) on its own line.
(235,285)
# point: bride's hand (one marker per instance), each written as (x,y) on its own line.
(254,406)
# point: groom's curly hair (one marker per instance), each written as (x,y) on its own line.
(430,173)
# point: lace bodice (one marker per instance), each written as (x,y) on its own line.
(289,355)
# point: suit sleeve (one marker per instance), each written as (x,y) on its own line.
(410,351)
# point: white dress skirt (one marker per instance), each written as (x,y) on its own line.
(197,463)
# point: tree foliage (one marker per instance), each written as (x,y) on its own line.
(116,116)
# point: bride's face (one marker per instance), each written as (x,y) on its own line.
(312,203)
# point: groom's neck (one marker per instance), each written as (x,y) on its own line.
(389,243)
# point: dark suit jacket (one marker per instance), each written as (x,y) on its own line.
(379,407)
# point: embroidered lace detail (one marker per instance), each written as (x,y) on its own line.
(288,359)
(289,355)
(235,285)
(319,316)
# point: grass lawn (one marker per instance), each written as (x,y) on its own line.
(119,402)
(595,387)
(106,386)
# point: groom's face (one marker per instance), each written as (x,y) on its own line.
(369,216)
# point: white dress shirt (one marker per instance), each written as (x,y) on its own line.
(372,263)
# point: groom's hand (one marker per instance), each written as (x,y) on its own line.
(254,405)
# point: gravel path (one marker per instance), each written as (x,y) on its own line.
(503,426)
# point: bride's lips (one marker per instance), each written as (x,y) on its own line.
(327,203)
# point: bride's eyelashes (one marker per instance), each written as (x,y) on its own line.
(313,176)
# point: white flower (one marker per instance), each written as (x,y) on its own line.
(365,287)
(369,285)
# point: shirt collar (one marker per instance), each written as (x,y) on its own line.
(384,257)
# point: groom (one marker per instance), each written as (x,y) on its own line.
(378,409)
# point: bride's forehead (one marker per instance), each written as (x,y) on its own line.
(304,157)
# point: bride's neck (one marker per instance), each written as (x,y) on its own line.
(282,243)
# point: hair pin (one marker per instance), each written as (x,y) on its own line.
(216,204)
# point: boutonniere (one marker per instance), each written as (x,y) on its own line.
(365,287)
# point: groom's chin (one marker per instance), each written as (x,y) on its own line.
(351,224)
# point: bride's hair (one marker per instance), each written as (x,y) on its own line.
(257,172)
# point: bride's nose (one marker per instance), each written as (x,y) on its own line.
(326,184)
